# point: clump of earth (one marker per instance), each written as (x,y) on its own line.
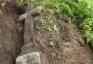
(68,46)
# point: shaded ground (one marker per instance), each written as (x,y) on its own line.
(11,35)
(68,46)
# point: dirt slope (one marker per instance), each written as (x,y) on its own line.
(68,46)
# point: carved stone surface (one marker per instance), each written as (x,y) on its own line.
(31,58)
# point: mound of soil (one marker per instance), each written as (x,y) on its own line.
(67,46)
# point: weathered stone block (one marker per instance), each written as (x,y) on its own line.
(31,58)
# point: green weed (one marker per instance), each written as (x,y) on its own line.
(1,6)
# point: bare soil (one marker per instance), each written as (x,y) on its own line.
(11,34)
(68,46)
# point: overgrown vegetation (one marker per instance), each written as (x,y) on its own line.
(74,10)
